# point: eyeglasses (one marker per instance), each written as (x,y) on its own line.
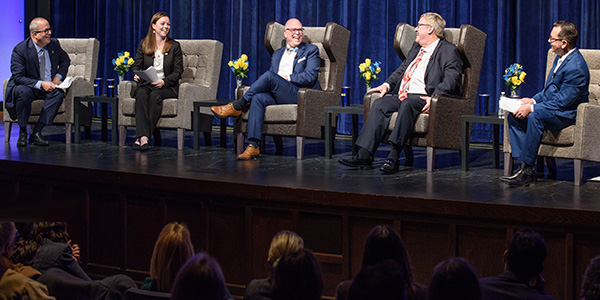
(44,31)
(294,30)
(552,40)
(422,24)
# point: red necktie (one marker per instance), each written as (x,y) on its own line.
(407,76)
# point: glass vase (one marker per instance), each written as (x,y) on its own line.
(513,93)
(368,86)
(238,83)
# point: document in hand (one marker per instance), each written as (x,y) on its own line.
(510,104)
(66,83)
(148,74)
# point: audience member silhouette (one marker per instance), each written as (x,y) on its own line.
(200,278)
(522,278)
(590,288)
(298,276)
(283,242)
(454,279)
(382,243)
(172,249)
(382,281)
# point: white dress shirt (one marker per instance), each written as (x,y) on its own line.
(286,65)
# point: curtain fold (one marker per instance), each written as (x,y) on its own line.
(516,32)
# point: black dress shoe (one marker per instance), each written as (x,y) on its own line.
(22,141)
(136,146)
(511,177)
(145,147)
(523,178)
(390,166)
(37,139)
(356,162)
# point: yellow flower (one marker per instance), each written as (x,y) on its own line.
(236,65)
(130,62)
(522,76)
(515,81)
(122,59)
(244,57)
(368,76)
(377,70)
(367,62)
(230,63)
(126,54)
(118,62)
(362,67)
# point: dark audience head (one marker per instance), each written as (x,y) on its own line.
(590,289)
(297,276)
(382,281)
(382,243)
(200,278)
(526,254)
(172,249)
(32,235)
(7,238)
(454,279)
(283,242)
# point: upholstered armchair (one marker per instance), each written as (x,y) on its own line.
(199,81)
(84,64)
(440,128)
(578,142)
(305,119)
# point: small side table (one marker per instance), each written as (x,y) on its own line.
(100,99)
(465,137)
(354,110)
(223,127)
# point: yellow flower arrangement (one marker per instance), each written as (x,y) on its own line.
(513,77)
(369,70)
(122,63)
(239,66)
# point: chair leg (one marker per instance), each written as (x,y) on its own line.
(68,130)
(508,164)
(7,128)
(240,143)
(578,168)
(207,138)
(409,156)
(540,164)
(430,158)
(278,141)
(551,163)
(158,137)
(122,135)
(299,147)
(180,138)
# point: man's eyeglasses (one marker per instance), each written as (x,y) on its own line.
(294,30)
(422,24)
(49,29)
(552,40)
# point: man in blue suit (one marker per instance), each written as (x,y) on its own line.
(38,64)
(554,108)
(292,67)
(432,66)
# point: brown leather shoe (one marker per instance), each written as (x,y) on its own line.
(249,153)
(225,111)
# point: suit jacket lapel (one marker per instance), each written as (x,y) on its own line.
(432,58)
(33,56)
(299,53)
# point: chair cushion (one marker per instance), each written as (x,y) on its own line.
(563,137)
(421,123)
(281,113)
(169,109)
(37,105)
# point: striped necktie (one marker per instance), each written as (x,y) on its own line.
(42,65)
(407,76)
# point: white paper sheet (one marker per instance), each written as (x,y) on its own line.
(66,83)
(149,74)
(510,104)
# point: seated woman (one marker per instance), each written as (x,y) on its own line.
(164,53)
(382,281)
(200,278)
(383,243)
(454,279)
(283,242)
(298,276)
(45,245)
(172,249)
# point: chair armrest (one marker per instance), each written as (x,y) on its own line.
(79,88)
(368,100)
(126,88)
(241,91)
(444,126)
(311,107)
(587,134)
(190,92)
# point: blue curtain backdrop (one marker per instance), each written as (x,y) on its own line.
(517,31)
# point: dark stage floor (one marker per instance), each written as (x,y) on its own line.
(214,163)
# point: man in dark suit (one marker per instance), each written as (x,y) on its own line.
(524,260)
(432,66)
(554,108)
(38,65)
(292,67)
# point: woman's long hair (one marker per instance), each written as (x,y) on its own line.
(149,42)
(32,237)
(172,249)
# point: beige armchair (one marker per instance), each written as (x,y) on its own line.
(199,81)
(441,127)
(84,64)
(578,142)
(305,119)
